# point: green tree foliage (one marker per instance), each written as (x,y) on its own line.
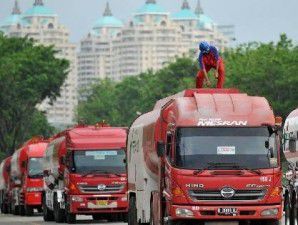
(119,103)
(29,73)
(268,70)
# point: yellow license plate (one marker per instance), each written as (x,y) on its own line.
(101,202)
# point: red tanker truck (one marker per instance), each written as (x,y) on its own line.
(291,153)
(203,156)
(5,185)
(85,173)
(27,177)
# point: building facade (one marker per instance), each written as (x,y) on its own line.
(42,24)
(152,38)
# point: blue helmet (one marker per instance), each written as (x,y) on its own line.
(204,47)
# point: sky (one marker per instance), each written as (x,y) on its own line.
(254,20)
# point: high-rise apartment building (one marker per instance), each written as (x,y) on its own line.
(152,38)
(42,24)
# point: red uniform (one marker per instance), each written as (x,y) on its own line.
(207,62)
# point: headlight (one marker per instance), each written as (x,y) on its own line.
(124,199)
(184,212)
(76,199)
(34,189)
(269,212)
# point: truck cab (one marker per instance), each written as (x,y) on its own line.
(205,155)
(85,174)
(27,177)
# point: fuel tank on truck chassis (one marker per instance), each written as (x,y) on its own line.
(151,158)
(5,173)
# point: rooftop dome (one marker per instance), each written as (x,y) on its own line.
(39,9)
(14,18)
(205,22)
(185,13)
(151,7)
(108,20)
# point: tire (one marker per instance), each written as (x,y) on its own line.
(22,210)
(132,211)
(272,222)
(48,215)
(28,210)
(5,209)
(16,210)
(58,212)
(98,217)
(289,210)
(125,217)
(113,217)
(70,217)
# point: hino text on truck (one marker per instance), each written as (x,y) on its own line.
(85,173)
(27,177)
(205,155)
(291,154)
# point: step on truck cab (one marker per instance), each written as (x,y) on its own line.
(290,147)
(85,174)
(27,177)
(5,185)
(205,155)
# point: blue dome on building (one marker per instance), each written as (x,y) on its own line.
(151,7)
(108,20)
(14,18)
(205,22)
(39,9)
(185,13)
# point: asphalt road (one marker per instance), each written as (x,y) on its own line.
(38,220)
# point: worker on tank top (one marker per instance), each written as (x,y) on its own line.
(209,59)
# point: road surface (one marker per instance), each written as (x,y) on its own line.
(37,220)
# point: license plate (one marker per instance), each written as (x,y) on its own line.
(102,202)
(227,211)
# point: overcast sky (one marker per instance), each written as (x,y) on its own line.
(254,20)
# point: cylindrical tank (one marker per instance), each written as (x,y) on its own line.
(56,150)
(291,137)
(4,173)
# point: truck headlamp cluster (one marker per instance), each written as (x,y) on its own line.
(76,199)
(34,189)
(184,212)
(269,212)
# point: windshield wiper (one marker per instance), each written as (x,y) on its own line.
(233,166)
(100,172)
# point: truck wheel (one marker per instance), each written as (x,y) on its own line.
(272,222)
(289,211)
(125,217)
(22,210)
(70,217)
(5,209)
(132,212)
(58,212)
(48,215)
(28,210)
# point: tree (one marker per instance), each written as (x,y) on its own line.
(29,73)
(269,70)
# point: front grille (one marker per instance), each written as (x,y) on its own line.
(95,189)
(214,195)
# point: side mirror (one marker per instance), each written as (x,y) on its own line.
(124,161)
(23,164)
(271,153)
(46,173)
(160,148)
(292,145)
(266,144)
(62,160)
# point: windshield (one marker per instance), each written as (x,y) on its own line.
(225,148)
(99,161)
(35,168)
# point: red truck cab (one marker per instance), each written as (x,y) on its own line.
(205,155)
(27,177)
(85,174)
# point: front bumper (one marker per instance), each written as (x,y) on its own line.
(211,212)
(33,198)
(95,204)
